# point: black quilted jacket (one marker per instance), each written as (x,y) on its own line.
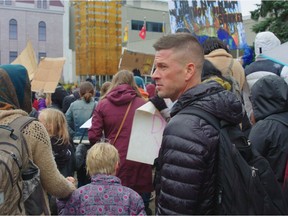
(186,176)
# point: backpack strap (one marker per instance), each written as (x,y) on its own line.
(19,124)
(211,119)
(229,69)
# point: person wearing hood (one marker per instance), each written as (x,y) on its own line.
(264,41)
(186,176)
(269,96)
(15,101)
(55,100)
(113,116)
(219,55)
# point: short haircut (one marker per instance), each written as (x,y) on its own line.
(185,43)
(213,43)
(102,159)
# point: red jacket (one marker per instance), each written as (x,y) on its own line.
(107,117)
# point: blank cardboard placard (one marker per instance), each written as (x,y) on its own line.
(27,59)
(47,75)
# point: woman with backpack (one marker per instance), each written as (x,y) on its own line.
(15,101)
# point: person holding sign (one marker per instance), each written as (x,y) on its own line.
(113,116)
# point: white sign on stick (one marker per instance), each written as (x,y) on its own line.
(146,135)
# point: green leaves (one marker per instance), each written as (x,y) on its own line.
(272,16)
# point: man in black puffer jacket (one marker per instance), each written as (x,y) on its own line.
(186,176)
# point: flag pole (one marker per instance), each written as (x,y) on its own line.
(163,23)
(127,26)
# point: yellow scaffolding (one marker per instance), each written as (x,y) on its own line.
(98,42)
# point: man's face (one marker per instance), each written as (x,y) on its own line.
(169,75)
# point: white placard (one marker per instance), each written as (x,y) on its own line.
(146,135)
(87,124)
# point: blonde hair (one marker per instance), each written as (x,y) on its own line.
(123,77)
(55,123)
(102,159)
(105,86)
(86,91)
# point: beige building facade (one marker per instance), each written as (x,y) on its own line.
(40,21)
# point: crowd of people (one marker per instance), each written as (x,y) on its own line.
(84,171)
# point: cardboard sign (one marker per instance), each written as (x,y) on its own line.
(27,59)
(131,60)
(47,75)
(146,135)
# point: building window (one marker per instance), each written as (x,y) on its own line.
(42,4)
(1,2)
(150,26)
(8,2)
(42,31)
(41,55)
(39,4)
(12,56)
(45,4)
(13,29)
(154,27)
(136,24)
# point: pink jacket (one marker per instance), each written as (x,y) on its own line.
(103,196)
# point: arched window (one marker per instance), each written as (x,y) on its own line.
(42,31)
(13,29)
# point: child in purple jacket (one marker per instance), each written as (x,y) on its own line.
(104,195)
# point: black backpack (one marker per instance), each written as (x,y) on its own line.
(246,183)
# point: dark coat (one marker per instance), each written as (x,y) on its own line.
(186,182)
(107,118)
(64,156)
(270,137)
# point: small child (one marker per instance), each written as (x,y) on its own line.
(104,195)
(55,123)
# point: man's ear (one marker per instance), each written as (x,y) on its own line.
(190,71)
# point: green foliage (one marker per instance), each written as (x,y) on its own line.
(272,16)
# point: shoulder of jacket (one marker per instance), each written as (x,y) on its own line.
(37,132)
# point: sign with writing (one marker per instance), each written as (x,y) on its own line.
(206,18)
(146,135)
(131,60)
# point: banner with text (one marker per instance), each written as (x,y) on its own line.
(206,18)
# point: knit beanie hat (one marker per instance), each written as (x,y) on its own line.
(139,82)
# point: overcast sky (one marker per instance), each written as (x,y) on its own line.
(248,5)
